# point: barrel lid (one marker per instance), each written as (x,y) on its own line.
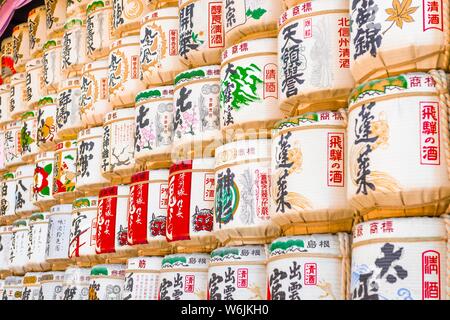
(25,171)
(119,114)
(52,43)
(143,176)
(47,100)
(119,190)
(311,119)
(154,93)
(31,278)
(61,208)
(205,72)
(315,243)
(185,261)
(39,216)
(85,202)
(243,150)
(239,254)
(144,263)
(90,132)
(114,270)
(160,13)
(76,275)
(266,45)
(13,281)
(52,276)
(97,4)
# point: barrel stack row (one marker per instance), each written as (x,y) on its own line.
(193,135)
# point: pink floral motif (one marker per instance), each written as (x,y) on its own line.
(189,120)
(147,137)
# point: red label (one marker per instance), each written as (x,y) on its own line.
(335,146)
(431,275)
(429,133)
(106,221)
(215,26)
(134,67)
(242,278)
(310,274)
(173,42)
(103,88)
(433,15)
(262,194)
(270,87)
(138,210)
(189,283)
(344,42)
(307,28)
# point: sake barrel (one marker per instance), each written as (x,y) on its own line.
(37,28)
(5,94)
(382,113)
(13,145)
(83,229)
(154,127)
(237,273)
(196,122)
(34,84)
(249,89)
(310,147)
(21,46)
(147,211)
(2,151)
(106,282)
(242,193)
(65,173)
(142,278)
(76,283)
(112,225)
(31,286)
(68,118)
(2,288)
(309,267)
(245,20)
(8,198)
(201,34)
(73,54)
(89,160)
(13,288)
(76,7)
(118,145)
(400,259)
(52,285)
(94,102)
(24,205)
(159,59)
(37,241)
(52,64)
(43,180)
(314,57)
(59,224)
(46,122)
(184,277)
(124,79)
(55,12)
(17,102)
(28,136)
(6,234)
(18,251)
(98,29)
(7,57)
(127,16)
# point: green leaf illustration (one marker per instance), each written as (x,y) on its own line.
(48,168)
(46,191)
(70,157)
(255,14)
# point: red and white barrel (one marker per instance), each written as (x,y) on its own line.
(37,242)
(13,288)
(147,211)
(311,147)
(309,267)
(31,286)
(46,122)
(124,78)
(59,223)
(52,285)
(64,178)
(8,197)
(37,29)
(314,57)
(242,193)
(68,118)
(73,55)
(106,282)
(196,123)
(118,145)
(6,234)
(52,64)
(89,155)
(201,35)
(237,273)
(159,59)
(55,17)
(21,43)
(76,283)
(184,277)
(5,94)
(35,85)
(154,127)
(43,180)
(190,211)
(7,57)
(142,278)
(17,102)
(18,251)
(94,103)
(382,114)
(99,15)
(127,16)
(28,136)
(400,259)
(24,205)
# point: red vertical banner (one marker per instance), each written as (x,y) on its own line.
(106,220)
(430,147)
(138,209)
(270,87)
(431,275)
(335,159)
(215,25)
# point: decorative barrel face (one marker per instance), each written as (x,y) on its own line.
(6,234)
(31,286)
(52,65)
(13,144)
(37,29)
(13,288)
(201,35)
(127,16)
(98,29)
(314,57)
(46,122)
(184,277)
(237,273)
(76,283)
(73,54)
(65,173)
(55,11)
(124,79)
(249,93)
(24,190)
(147,211)
(310,267)
(383,114)
(28,136)
(397,37)
(159,59)
(59,222)
(250,19)
(154,126)
(310,147)
(197,112)
(118,145)
(68,118)
(242,193)
(43,180)
(94,102)
(8,197)
(191,206)
(106,282)
(52,285)
(34,84)
(7,57)
(5,94)
(18,257)
(21,46)
(37,240)
(399,259)
(142,278)
(17,102)
(89,160)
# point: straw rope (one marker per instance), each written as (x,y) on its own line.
(344,248)
(447,225)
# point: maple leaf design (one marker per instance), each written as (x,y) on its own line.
(400,12)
